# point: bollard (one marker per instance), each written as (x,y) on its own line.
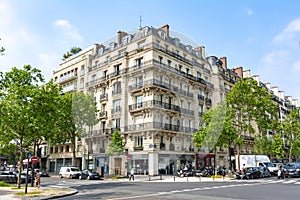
(160,177)
(174,178)
(149,177)
(187,178)
(200,178)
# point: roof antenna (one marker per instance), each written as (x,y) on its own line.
(140,22)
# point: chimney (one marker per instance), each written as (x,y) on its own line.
(165,28)
(121,34)
(224,62)
(239,71)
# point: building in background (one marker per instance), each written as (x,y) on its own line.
(153,89)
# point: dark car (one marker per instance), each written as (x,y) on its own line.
(250,173)
(292,169)
(11,177)
(265,172)
(89,174)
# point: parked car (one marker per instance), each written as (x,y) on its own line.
(11,177)
(89,174)
(264,172)
(43,172)
(69,172)
(271,167)
(292,169)
(250,173)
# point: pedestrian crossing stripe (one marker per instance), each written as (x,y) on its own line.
(291,181)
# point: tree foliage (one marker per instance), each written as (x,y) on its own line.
(252,106)
(278,146)
(291,132)
(116,146)
(23,108)
(76,113)
(217,129)
(73,51)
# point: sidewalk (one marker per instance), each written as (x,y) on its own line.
(7,193)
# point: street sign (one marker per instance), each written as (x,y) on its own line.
(34,159)
(127,157)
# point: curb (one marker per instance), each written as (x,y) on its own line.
(59,195)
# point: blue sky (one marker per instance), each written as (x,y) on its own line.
(263,36)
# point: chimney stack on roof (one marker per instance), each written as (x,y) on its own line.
(165,28)
(121,34)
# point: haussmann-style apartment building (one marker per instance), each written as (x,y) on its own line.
(153,89)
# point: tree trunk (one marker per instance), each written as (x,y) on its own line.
(290,152)
(74,153)
(21,162)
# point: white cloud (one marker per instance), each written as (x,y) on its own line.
(275,56)
(289,32)
(250,12)
(5,13)
(68,29)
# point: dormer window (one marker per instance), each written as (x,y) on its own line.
(145,30)
(100,51)
(189,48)
(126,39)
(112,46)
(176,40)
(162,34)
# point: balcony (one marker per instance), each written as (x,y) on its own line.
(116,92)
(116,110)
(159,126)
(154,103)
(103,114)
(66,78)
(103,97)
(138,148)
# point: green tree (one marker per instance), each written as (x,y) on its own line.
(73,51)
(278,146)
(77,112)
(217,129)
(116,146)
(252,106)
(17,122)
(291,131)
(262,145)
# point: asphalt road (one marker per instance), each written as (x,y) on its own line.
(260,189)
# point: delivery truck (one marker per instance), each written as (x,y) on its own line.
(255,161)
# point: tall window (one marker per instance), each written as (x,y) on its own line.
(117,88)
(160,59)
(117,123)
(138,140)
(117,105)
(139,82)
(139,101)
(117,69)
(139,62)
(169,63)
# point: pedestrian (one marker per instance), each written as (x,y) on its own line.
(37,179)
(243,171)
(224,172)
(131,175)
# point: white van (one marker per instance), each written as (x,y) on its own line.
(69,172)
